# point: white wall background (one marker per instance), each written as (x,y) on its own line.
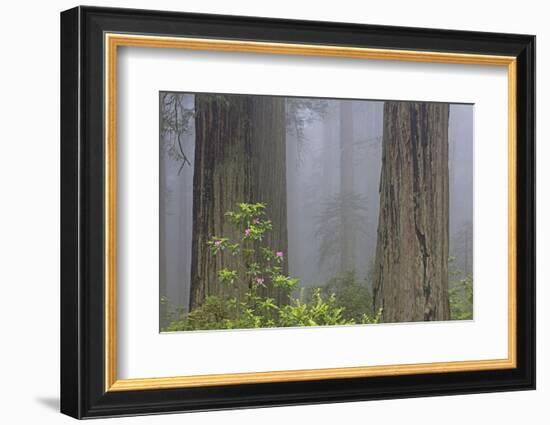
(29,212)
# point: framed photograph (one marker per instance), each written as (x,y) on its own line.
(261,212)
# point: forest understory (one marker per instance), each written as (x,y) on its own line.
(290,212)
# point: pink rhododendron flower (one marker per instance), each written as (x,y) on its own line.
(260,281)
(279,254)
(217,244)
(247,232)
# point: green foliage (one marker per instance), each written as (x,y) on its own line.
(371,320)
(461,298)
(352,294)
(263,312)
(461,293)
(227,276)
(262,265)
(318,312)
(263,268)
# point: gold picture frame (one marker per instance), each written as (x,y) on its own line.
(114,41)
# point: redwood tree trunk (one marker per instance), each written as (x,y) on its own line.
(268,136)
(239,157)
(411,266)
(221,178)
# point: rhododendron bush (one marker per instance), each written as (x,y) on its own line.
(260,294)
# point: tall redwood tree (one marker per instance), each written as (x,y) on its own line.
(411,266)
(240,156)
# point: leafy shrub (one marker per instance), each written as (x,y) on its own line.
(461,293)
(355,296)
(461,297)
(260,312)
(263,269)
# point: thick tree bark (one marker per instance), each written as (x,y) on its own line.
(268,136)
(411,266)
(221,178)
(239,157)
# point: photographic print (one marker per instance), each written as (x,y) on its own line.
(287,211)
(269,218)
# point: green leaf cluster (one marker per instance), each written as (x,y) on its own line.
(461,299)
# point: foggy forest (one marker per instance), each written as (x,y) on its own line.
(287,211)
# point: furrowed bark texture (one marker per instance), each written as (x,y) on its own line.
(239,157)
(411,275)
(268,135)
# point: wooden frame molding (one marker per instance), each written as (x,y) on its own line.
(114,40)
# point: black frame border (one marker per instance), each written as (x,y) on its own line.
(82,206)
